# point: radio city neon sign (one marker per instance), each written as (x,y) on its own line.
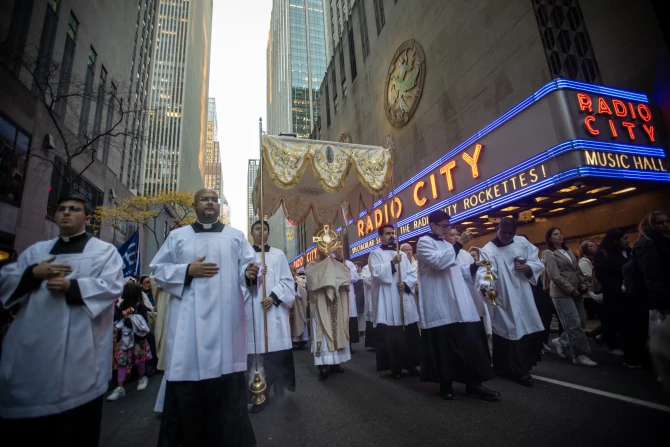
(615,117)
(423,192)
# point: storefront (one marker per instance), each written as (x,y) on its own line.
(579,156)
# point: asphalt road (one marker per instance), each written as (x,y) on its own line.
(362,408)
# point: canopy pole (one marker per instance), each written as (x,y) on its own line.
(397,239)
(263,216)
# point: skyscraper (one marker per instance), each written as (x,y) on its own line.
(213,175)
(179,87)
(251,178)
(296,60)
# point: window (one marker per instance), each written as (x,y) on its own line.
(352,50)
(66,65)
(566,41)
(14,149)
(18,31)
(88,92)
(379,15)
(59,187)
(335,102)
(342,73)
(327,102)
(46,48)
(364,29)
(110,122)
(100,101)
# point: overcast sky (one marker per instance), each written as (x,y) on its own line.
(237,80)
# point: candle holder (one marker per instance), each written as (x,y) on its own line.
(491,292)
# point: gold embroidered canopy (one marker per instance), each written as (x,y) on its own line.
(309,175)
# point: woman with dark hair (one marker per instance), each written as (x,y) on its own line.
(568,284)
(134,347)
(620,325)
(652,257)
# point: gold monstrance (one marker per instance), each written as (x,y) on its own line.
(326,240)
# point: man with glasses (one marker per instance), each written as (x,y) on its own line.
(451,345)
(57,355)
(204,267)
(517,327)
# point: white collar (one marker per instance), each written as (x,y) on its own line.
(206,226)
(67,238)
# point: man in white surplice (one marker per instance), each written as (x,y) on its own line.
(203,266)
(393,279)
(338,254)
(277,362)
(57,356)
(369,308)
(517,326)
(465,258)
(452,350)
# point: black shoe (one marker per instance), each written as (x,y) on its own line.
(446,392)
(525,380)
(413,371)
(336,369)
(479,391)
(396,376)
(323,372)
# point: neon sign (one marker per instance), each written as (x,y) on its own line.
(616,119)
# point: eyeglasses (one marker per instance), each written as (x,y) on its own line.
(208,199)
(71,208)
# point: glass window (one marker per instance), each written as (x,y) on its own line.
(14,149)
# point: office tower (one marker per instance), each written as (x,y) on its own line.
(176,157)
(251,178)
(213,175)
(296,61)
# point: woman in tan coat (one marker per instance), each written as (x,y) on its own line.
(567,286)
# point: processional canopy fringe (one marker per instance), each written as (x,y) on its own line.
(323,188)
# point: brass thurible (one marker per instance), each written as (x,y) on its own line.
(257,388)
(491,292)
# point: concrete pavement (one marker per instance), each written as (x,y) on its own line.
(361,408)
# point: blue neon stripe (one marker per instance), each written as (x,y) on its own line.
(362,213)
(550,87)
(585,171)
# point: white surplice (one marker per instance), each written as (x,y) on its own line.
(466,259)
(206,323)
(369,308)
(352,294)
(385,288)
(516,314)
(278,280)
(58,356)
(444,297)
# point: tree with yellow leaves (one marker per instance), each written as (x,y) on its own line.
(147,211)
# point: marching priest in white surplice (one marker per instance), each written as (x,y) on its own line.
(393,279)
(328,283)
(203,267)
(465,258)
(369,307)
(57,356)
(277,362)
(517,326)
(452,350)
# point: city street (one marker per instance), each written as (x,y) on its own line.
(569,405)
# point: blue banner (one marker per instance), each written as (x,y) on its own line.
(130,253)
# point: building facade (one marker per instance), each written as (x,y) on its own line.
(176,156)
(213,173)
(296,62)
(66,104)
(509,109)
(252,173)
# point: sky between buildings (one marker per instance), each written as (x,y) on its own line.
(237,80)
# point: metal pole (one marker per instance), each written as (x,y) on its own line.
(261,213)
(397,240)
